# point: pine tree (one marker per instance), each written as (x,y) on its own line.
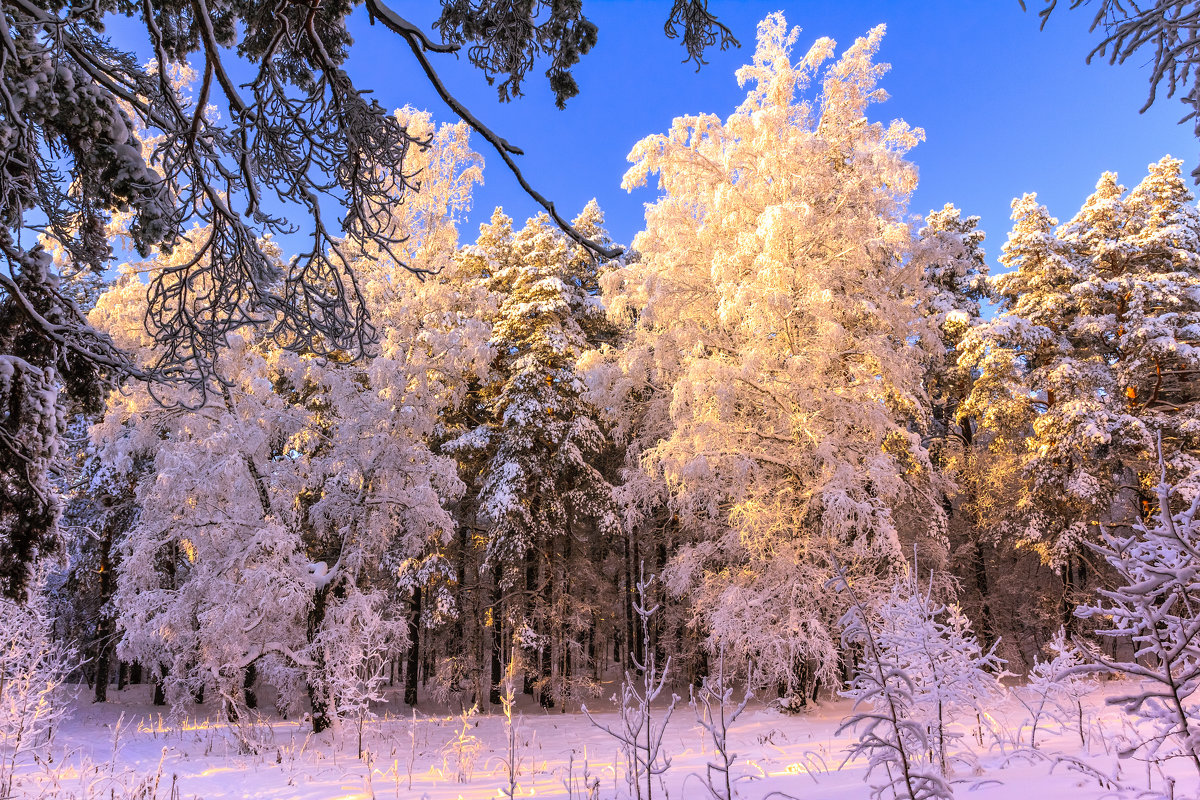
(542,497)
(955,274)
(955,277)
(1092,350)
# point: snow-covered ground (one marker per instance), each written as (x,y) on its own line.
(128,748)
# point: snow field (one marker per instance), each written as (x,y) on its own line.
(128,749)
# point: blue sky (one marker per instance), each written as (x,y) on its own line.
(1006,108)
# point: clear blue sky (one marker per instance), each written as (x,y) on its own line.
(1006,108)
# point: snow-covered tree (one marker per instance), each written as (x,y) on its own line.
(955,276)
(893,741)
(213,577)
(945,671)
(100,509)
(1155,606)
(301,490)
(771,367)
(1058,686)
(98,128)
(1092,350)
(951,253)
(34,670)
(538,444)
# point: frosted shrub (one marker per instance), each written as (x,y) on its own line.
(33,670)
(921,668)
(892,741)
(715,712)
(1156,607)
(640,734)
(1058,687)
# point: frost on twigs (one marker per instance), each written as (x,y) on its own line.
(34,668)
(1058,687)
(716,712)
(920,668)
(281,520)
(640,732)
(1155,605)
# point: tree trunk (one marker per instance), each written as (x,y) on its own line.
(1068,605)
(497,644)
(160,694)
(987,625)
(547,656)
(105,632)
(249,678)
(531,572)
(414,650)
(320,706)
(102,669)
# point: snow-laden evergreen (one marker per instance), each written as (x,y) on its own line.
(1092,351)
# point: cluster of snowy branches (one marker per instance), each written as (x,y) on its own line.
(150,139)
(782,402)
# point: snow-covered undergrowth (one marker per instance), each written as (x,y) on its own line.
(127,749)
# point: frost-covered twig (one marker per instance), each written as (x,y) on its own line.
(883,705)
(640,735)
(33,672)
(712,706)
(1156,607)
(1057,691)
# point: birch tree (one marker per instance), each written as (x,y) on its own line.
(773,310)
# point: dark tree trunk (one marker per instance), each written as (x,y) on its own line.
(320,708)
(632,637)
(531,575)
(160,694)
(414,649)
(987,625)
(1068,605)
(547,655)
(497,644)
(105,632)
(103,667)
(568,636)
(701,668)
(135,673)
(591,649)
(249,678)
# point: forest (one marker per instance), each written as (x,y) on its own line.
(795,454)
